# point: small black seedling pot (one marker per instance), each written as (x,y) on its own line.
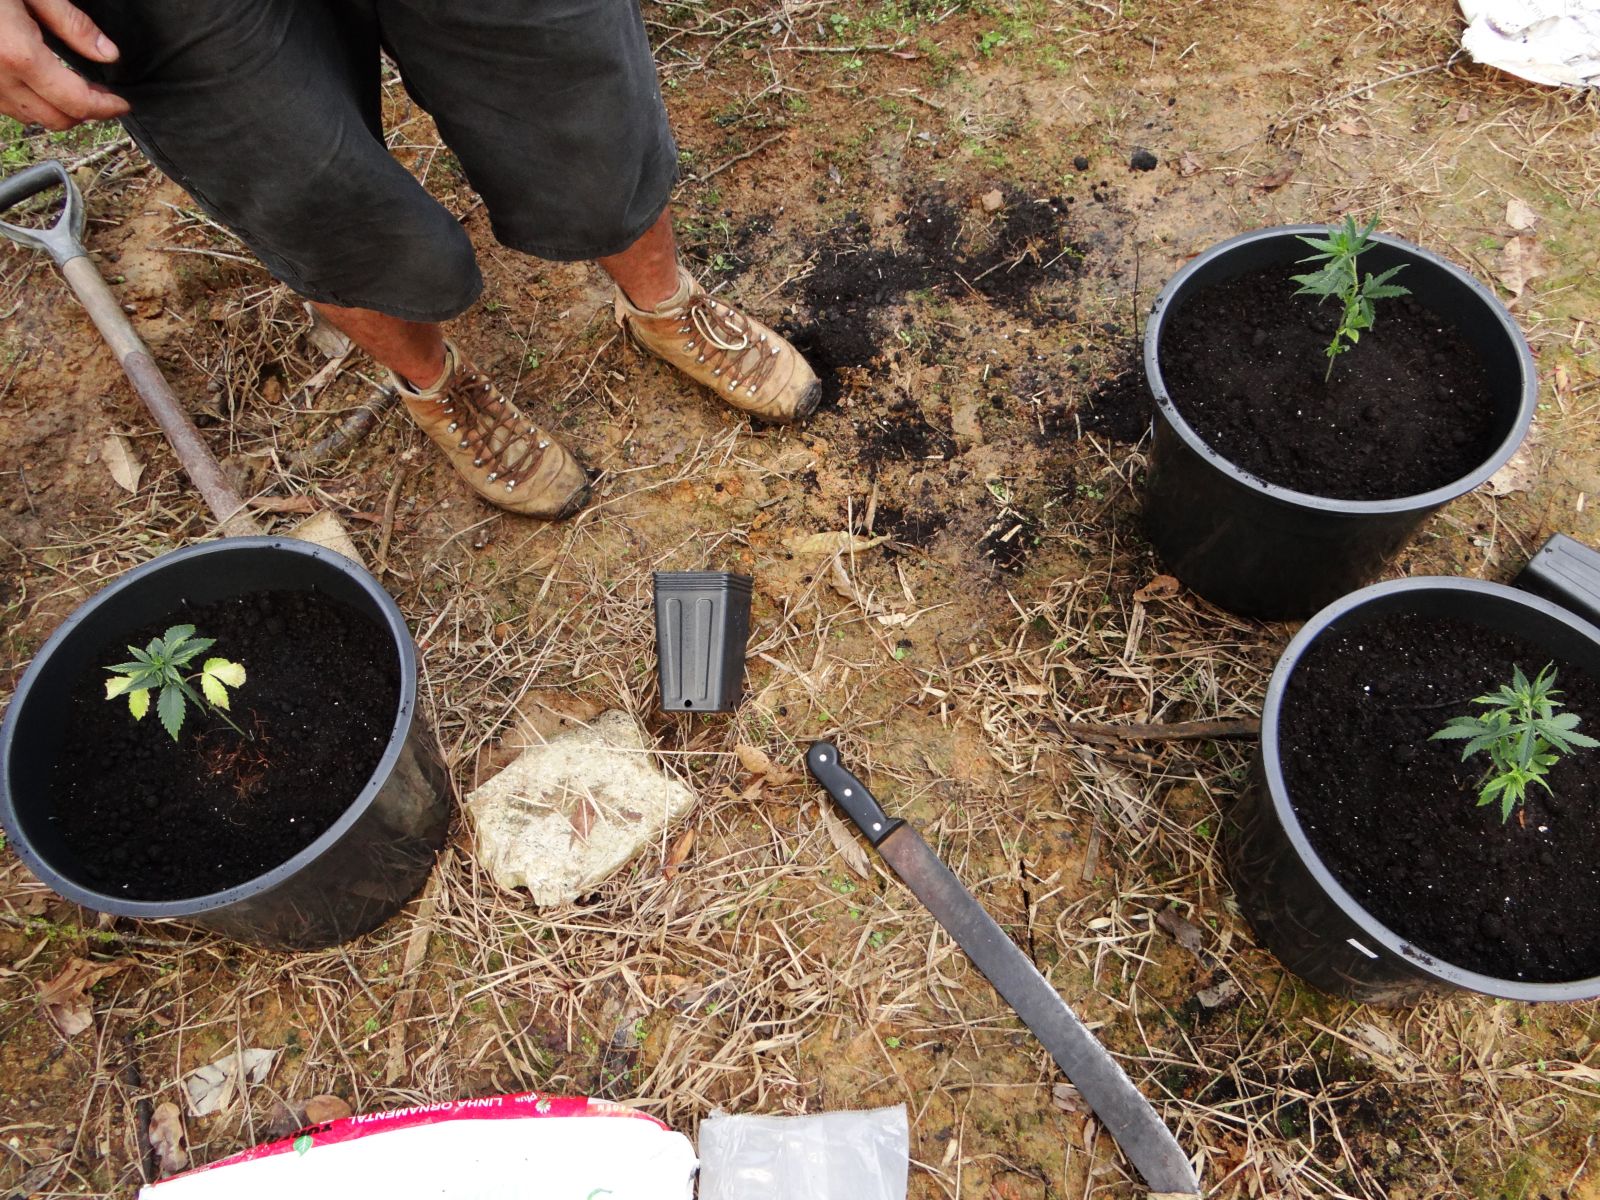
(702,625)
(362,869)
(1297,907)
(1263,550)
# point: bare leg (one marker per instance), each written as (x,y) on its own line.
(647,271)
(413,350)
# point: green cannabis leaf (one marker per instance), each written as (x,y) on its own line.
(1339,278)
(1523,735)
(159,668)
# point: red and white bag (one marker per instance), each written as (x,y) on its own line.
(494,1148)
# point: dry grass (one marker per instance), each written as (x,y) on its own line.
(766,974)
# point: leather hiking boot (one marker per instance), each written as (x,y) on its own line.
(742,360)
(507,459)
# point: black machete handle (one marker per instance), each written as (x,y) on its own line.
(850,793)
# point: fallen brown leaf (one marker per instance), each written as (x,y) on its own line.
(1518,475)
(755,762)
(1520,215)
(1162,587)
(1173,923)
(1189,164)
(1519,263)
(122,462)
(845,843)
(678,851)
(166,1138)
(319,1110)
(65,999)
(1273,180)
(992,200)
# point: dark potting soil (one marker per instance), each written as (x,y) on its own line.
(1396,818)
(147,818)
(1407,409)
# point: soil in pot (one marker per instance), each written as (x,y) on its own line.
(1395,816)
(1405,411)
(147,818)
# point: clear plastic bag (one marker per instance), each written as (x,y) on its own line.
(829,1156)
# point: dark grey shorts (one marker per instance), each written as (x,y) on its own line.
(268,113)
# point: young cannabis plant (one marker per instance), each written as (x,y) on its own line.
(1523,735)
(1338,277)
(159,668)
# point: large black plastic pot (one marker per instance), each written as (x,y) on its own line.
(1263,550)
(373,859)
(1298,910)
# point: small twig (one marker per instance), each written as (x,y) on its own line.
(1175,731)
(386,530)
(348,431)
(737,158)
(840,49)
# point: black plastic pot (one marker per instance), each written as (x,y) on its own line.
(1297,908)
(1263,550)
(702,627)
(352,878)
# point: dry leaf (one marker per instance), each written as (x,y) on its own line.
(992,201)
(65,999)
(1520,215)
(121,461)
(834,542)
(1274,180)
(166,1138)
(319,1110)
(1160,588)
(1068,1099)
(1189,164)
(1218,994)
(1184,932)
(212,1088)
(1466,112)
(324,338)
(1519,263)
(1351,129)
(678,851)
(1518,475)
(755,762)
(845,843)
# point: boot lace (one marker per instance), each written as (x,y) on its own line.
(737,359)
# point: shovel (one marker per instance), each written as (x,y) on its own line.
(63,242)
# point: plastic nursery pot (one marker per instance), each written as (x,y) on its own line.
(1296,906)
(353,877)
(702,626)
(1267,551)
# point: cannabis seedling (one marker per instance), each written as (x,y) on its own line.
(1523,735)
(159,668)
(1338,278)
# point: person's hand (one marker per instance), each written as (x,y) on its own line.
(35,87)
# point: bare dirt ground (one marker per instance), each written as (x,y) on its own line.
(835,157)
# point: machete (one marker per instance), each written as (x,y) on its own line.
(1148,1143)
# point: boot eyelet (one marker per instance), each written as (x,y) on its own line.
(453,425)
(511,485)
(477,462)
(543,445)
(493,475)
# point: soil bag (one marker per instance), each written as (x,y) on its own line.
(487,1149)
(1554,42)
(830,1156)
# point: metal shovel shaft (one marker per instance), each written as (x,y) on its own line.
(63,243)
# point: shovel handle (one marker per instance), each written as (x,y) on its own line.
(62,241)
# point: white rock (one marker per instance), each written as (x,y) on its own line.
(565,816)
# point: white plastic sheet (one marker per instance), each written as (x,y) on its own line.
(1554,42)
(829,1156)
